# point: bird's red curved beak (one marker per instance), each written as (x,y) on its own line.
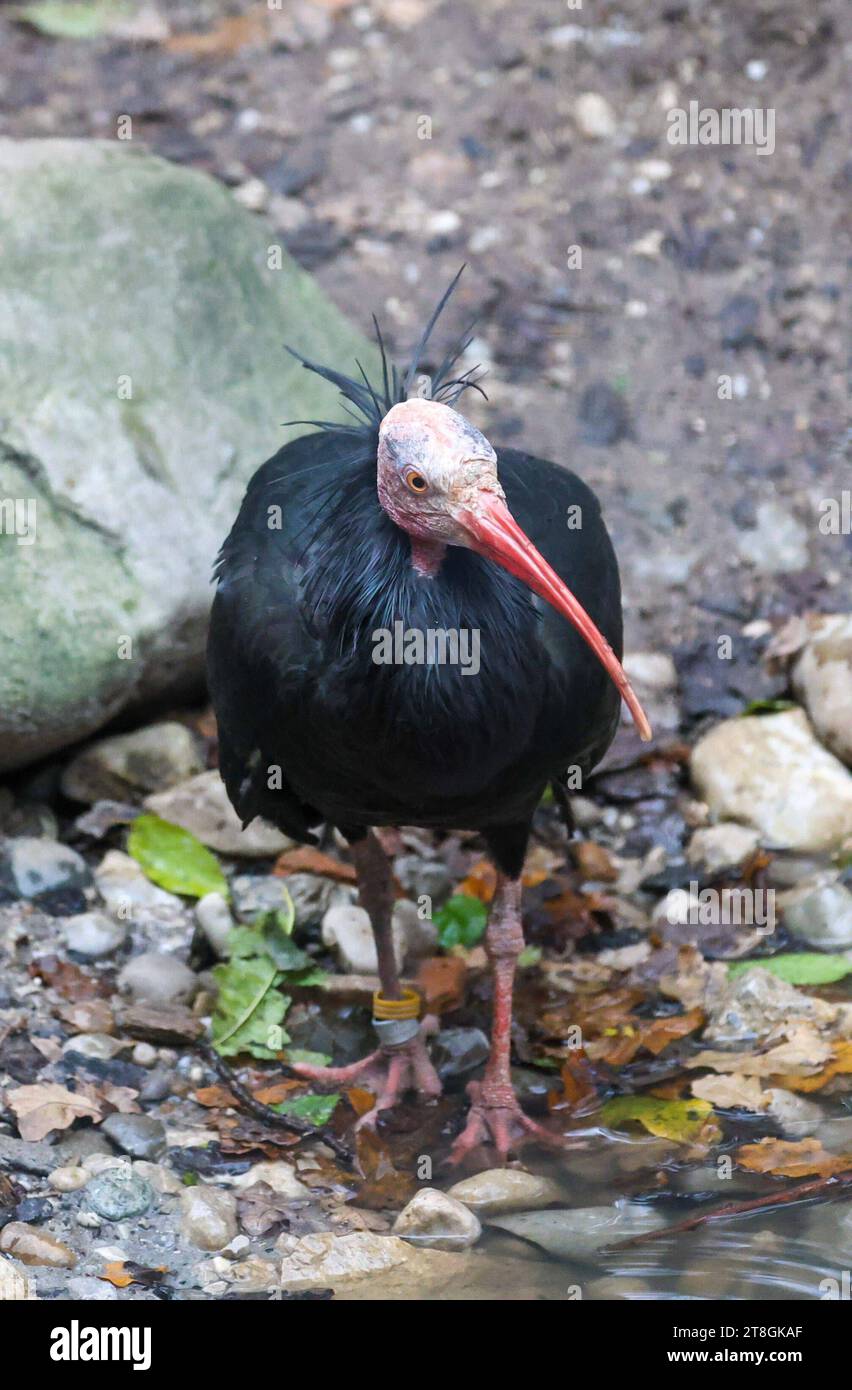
(496,534)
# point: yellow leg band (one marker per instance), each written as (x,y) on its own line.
(406,1007)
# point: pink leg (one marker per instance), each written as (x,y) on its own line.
(495,1114)
(389,1071)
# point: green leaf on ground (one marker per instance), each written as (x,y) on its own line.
(530,955)
(798,967)
(249,1010)
(73,19)
(317,1110)
(294,1055)
(174,858)
(461,921)
(682,1120)
(768,706)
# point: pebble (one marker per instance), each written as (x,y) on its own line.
(753,1005)
(580,1232)
(124,888)
(144,1055)
(252,195)
(652,670)
(348,931)
(93,935)
(325,1260)
(457,1051)
(156,978)
(248,1275)
(68,1179)
(819,915)
(435,1219)
(280,1176)
(97,1045)
(497,1191)
(86,1288)
(15,1287)
(797,1116)
(161,1179)
(147,760)
(769,772)
(201,806)
(255,893)
(822,678)
(140,1136)
(214,918)
(312,896)
(777,544)
(209,1217)
(417,876)
(721,846)
(119,1193)
(33,865)
(594,116)
(33,1247)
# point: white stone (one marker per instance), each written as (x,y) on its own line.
(93,935)
(822,678)
(721,846)
(435,1219)
(209,1216)
(280,1176)
(498,1190)
(348,931)
(769,771)
(594,116)
(215,920)
(201,806)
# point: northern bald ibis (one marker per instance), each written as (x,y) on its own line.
(409,516)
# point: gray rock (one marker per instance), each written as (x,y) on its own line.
(119,1193)
(31,1246)
(156,1086)
(753,1005)
(214,918)
(770,772)
(128,765)
(201,805)
(33,865)
(86,1288)
(209,1217)
(721,846)
(437,1221)
(822,678)
(93,935)
(156,978)
(310,894)
(254,893)
(423,876)
(457,1051)
(778,544)
(820,915)
(579,1233)
(127,892)
(140,1136)
(136,424)
(498,1191)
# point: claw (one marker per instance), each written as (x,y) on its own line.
(495,1115)
(387,1073)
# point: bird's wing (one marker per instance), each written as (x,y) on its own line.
(256,622)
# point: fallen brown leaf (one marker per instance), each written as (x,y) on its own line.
(792,1158)
(838,1065)
(304,859)
(46,1106)
(441,981)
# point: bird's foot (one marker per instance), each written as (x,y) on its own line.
(496,1117)
(387,1073)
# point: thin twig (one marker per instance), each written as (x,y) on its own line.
(800,1191)
(266,1113)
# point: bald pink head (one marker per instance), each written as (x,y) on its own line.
(437,480)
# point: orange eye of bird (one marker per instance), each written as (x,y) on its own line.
(416,482)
